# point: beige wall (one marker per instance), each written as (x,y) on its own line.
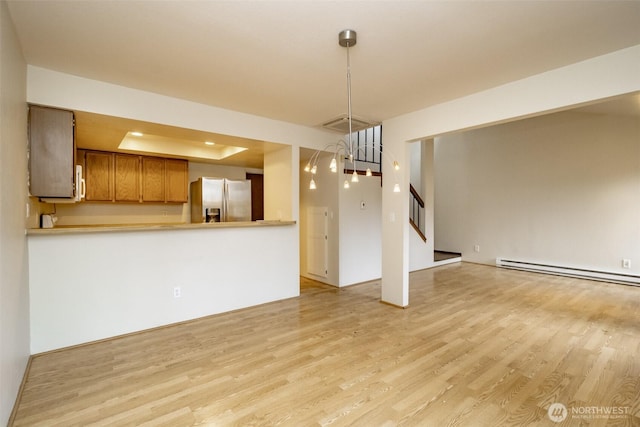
(14,284)
(561,189)
(278,181)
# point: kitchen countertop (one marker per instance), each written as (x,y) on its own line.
(109,228)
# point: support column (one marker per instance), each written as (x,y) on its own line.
(395,219)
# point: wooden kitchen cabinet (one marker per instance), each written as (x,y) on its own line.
(176,180)
(153,179)
(51,152)
(127,177)
(117,177)
(98,176)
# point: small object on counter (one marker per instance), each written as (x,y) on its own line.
(48,220)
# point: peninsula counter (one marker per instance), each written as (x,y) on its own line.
(92,283)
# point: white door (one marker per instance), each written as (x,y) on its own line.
(317,241)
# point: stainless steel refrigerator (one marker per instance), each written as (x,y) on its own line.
(220,200)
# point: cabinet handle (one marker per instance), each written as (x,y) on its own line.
(83,188)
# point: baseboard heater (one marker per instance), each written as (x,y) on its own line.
(603,276)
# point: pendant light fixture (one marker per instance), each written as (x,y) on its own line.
(345,149)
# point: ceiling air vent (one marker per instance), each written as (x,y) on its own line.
(341,124)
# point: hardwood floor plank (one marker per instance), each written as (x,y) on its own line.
(478,346)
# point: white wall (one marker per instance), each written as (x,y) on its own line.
(14,290)
(255,265)
(354,239)
(421,252)
(87,287)
(360,230)
(560,189)
(415,174)
(325,195)
(609,75)
(61,90)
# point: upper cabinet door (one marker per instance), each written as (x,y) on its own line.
(51,152)
(127,178)
(98,174)
(152,179)
(176,180)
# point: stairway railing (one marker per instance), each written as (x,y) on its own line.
(367,145)
(417,212)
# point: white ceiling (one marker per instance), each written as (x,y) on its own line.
(281,59)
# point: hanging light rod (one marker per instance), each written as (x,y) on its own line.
(348,38)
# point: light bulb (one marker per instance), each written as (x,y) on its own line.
(368,173)
(346,184)
(333,165)
(314,169)
(307,168)
(396,188)
(354,177)
(396,166)
(312,185)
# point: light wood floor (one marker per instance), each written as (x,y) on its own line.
(479,346)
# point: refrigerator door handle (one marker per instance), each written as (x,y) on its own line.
(225,202)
